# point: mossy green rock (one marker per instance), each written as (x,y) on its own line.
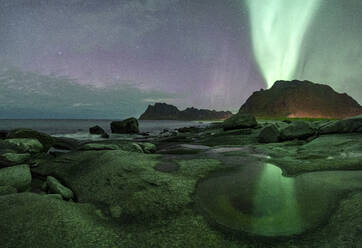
(46,140)
(127,180)
(25,145)
(15,158)
(18,176)
(32,220)
(56,187)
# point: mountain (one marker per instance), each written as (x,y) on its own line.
(163,111)
(301,99)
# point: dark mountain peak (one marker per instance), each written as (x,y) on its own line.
(301,99)
(163,111)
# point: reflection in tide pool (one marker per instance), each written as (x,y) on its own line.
(275,204)
(258,200)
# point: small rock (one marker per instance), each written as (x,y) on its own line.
(115,211)
(96,130)
(137,147)
(148,147)
(18,176)
(105,136)
(56,187)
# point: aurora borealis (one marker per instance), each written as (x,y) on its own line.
(277,29)
(203,53)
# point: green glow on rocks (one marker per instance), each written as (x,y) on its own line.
(277,30)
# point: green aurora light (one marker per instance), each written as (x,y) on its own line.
(277,30)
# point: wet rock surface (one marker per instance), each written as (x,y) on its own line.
(187,189)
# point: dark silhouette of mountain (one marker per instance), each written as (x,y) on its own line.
(163,111)
(301,99)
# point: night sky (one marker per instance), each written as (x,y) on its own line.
(202,53)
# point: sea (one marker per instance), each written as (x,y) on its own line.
(79,129)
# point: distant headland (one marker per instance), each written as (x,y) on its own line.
(164,111)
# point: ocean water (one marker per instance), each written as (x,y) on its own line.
(79,129)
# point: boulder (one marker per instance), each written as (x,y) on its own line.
(46,140)
(24,145)
(297,130)
(239,121)
(18,176)
(269,134)
(349,125)
(129,125)
(96,130)
(54,186)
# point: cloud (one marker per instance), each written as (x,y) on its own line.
(31,95)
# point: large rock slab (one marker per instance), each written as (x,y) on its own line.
(46,140)
(18,176)
(129,125)
(240,121)
(349,125)
(297,130)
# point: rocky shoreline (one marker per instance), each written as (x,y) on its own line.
(143,192)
